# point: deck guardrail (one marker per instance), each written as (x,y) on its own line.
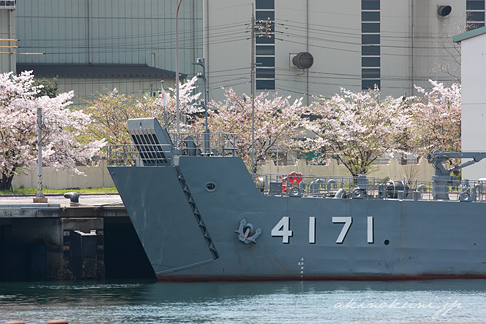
(364,187)
(220,144)
(138,155)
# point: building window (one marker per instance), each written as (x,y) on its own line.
(370,44)
(265,45)
(370,83)
(265,4)
(370,62)
(370,27)
(370,39)
(265,50)
(474,14)
(370,73)
(265,61)
(265,84)
(265,73)
(370,50)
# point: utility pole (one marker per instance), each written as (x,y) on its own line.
(206,141)
(178,115)
(39,198)
(252,68)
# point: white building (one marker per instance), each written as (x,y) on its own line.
(354,43)
(473,100)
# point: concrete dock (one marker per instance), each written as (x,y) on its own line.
(64,240)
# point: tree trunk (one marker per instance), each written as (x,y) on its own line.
(6,181)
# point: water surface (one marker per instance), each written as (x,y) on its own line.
(245,302)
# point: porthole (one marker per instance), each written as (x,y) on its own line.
(210,186)
(386,242)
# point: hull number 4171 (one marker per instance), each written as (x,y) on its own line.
(283,229)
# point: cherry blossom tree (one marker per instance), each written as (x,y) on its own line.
(276,119)
(356,128)
(112,110)
(436,119)
(18,129)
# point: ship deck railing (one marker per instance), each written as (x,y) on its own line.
(188,144)
(138,155)
(213,144)
(320,186)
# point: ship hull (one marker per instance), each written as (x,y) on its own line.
(188,218)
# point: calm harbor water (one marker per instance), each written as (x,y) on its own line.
(245,302)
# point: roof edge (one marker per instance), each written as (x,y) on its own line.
(469,34)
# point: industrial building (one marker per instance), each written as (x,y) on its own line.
(302,47)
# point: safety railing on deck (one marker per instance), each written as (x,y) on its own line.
(138,155)
(215,144)
(297,185)
(190,144)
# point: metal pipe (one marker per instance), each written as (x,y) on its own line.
(177,69)
(253,123)
(39,153)
(206,37)
(307,50)
(89,44)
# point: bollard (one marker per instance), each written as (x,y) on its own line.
(57,321)
(14,322)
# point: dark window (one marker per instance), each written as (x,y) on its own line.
(265,40)
(474,26)
(370,73)
(370,62)
(370,27)
(265,73)
(265,50)
(475,5)
(370,4)
(475,16)
(265,84)
(265,61)
(370,16)
(370,50)
(265,4)
(369,84)
(370,39)
(265,15)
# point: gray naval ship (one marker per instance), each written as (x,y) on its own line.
(200,215)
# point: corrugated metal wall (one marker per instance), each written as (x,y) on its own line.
(7,31)
(87,89)
(110,31)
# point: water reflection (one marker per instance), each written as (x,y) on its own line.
(244,302)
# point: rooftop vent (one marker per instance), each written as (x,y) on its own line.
(303,60)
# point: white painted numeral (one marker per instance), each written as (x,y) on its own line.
(282,229)
(371,237)
(312,230)
(347,224)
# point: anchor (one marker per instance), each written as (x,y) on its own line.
(245,232)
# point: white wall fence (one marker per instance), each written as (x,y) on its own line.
(98,176)
(394,170)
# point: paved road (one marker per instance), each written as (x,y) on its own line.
(84,200)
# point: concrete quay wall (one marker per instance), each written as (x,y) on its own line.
(49,242)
